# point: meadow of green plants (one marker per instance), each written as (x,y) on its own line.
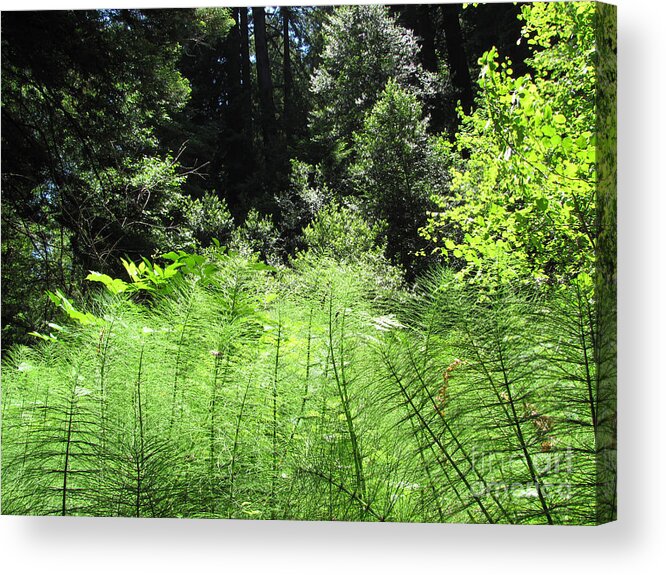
(221,387)
(396,323)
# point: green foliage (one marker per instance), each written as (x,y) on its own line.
(342,233)
(306,195)
(213,23)
(145,200)
(30,259)
(324,368)
(206,218)
(308,186)
(74,314)
(258,235)
(523,202)
(151,278)
(364,49)
(397,170)
(84,318)
(499,400)
(300,395)
(84,96)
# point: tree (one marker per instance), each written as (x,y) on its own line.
(84,179)
(523,207)
(246,73)
(207,126)
(397,170)
(364,48)
(265,84)
(451,41)
(457,57)
(287,76)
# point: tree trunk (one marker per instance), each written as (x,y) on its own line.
(265,83)
(456,56)
(419,19)
(246,79)
(234,116)
(288,116)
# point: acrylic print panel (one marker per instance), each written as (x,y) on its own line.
(312,263)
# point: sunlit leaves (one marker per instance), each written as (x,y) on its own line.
(524,200)
(114,285)
(84,318)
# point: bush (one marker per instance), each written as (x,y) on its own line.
(258,235)
(340,233)
(207,218)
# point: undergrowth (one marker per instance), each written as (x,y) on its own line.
(232,389)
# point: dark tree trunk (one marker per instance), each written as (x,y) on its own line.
(419,19)
(233,68)
(456,54)
(234,132)
(246,80)
(426,31)
(265,84)
(288,116)
(423,20)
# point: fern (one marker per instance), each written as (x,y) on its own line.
(307,393)
(483,380)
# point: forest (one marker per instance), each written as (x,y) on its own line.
(350,263)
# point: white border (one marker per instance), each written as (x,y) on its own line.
(633,544)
